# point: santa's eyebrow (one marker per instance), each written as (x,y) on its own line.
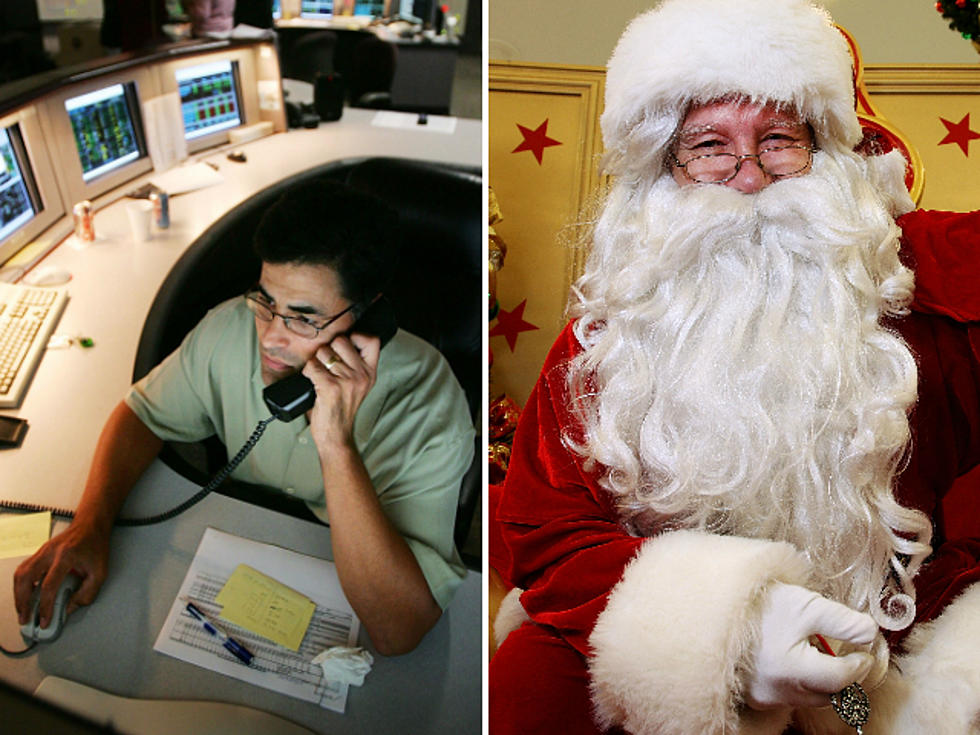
(693,132)
(783,123)
(686,134)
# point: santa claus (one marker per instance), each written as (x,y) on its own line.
(720,507)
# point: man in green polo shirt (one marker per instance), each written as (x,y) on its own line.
(379,456)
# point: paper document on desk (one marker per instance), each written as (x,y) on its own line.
(410,121)
(182,179)
(273,666)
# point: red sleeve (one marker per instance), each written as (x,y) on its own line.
(557,530)
(943,248)
(945,426)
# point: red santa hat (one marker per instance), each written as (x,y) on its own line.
(695,51)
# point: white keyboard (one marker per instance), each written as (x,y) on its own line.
(28,316)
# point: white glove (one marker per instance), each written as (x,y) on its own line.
(789,672)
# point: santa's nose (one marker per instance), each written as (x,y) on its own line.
(750,177)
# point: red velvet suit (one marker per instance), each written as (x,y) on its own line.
(555,532)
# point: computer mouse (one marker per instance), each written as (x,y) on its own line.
(31,630)
(47,275)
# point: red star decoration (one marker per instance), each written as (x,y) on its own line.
(511,323)
(959,133)
(535,140)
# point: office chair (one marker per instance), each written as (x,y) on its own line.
(372,70)
(436,297)
(311,54)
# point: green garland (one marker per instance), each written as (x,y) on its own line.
(963,16)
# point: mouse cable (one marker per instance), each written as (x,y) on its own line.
(18,654)
(219,478)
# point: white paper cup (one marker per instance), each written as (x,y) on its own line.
(140,214)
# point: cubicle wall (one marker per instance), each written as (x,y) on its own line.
(24,149)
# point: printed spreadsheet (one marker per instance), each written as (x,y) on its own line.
(273,667)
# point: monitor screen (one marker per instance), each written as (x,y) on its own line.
(325,8)
(209,99)
(316,9)
(277,9)
(372,8)
(102,123)
(18,197)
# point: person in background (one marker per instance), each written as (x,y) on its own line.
(210,18)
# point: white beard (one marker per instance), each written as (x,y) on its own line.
(744,384)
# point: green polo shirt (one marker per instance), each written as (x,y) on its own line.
(413,430)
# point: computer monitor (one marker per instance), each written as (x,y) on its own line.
(221,90)
(371,8)
(18,193)
(322,9)
(106,129)
(94,130)
(29,199)
(276,9)
(210,97)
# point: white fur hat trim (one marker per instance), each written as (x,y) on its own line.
(684,51)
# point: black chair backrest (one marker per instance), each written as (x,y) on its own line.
(436,295)
(372,70)
(312,54)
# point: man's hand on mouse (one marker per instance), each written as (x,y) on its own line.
(78,550)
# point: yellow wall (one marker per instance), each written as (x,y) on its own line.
(585,31)
(915,99)
(537,201)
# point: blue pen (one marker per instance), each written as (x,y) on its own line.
(226,640)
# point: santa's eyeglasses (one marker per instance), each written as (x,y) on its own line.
(719,168)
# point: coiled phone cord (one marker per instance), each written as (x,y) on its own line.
(219,478)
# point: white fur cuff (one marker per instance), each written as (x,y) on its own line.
(510,616)
(665,648)
(938,690)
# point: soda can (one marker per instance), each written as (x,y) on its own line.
(161,208)
(84,226)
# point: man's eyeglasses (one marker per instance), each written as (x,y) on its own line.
(298,325)
(718,168)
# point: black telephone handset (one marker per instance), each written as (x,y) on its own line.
(294,396)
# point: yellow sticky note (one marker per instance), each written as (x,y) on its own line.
(21,535)
(262,605)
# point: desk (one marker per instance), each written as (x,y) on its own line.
(434,689)
(110,644)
